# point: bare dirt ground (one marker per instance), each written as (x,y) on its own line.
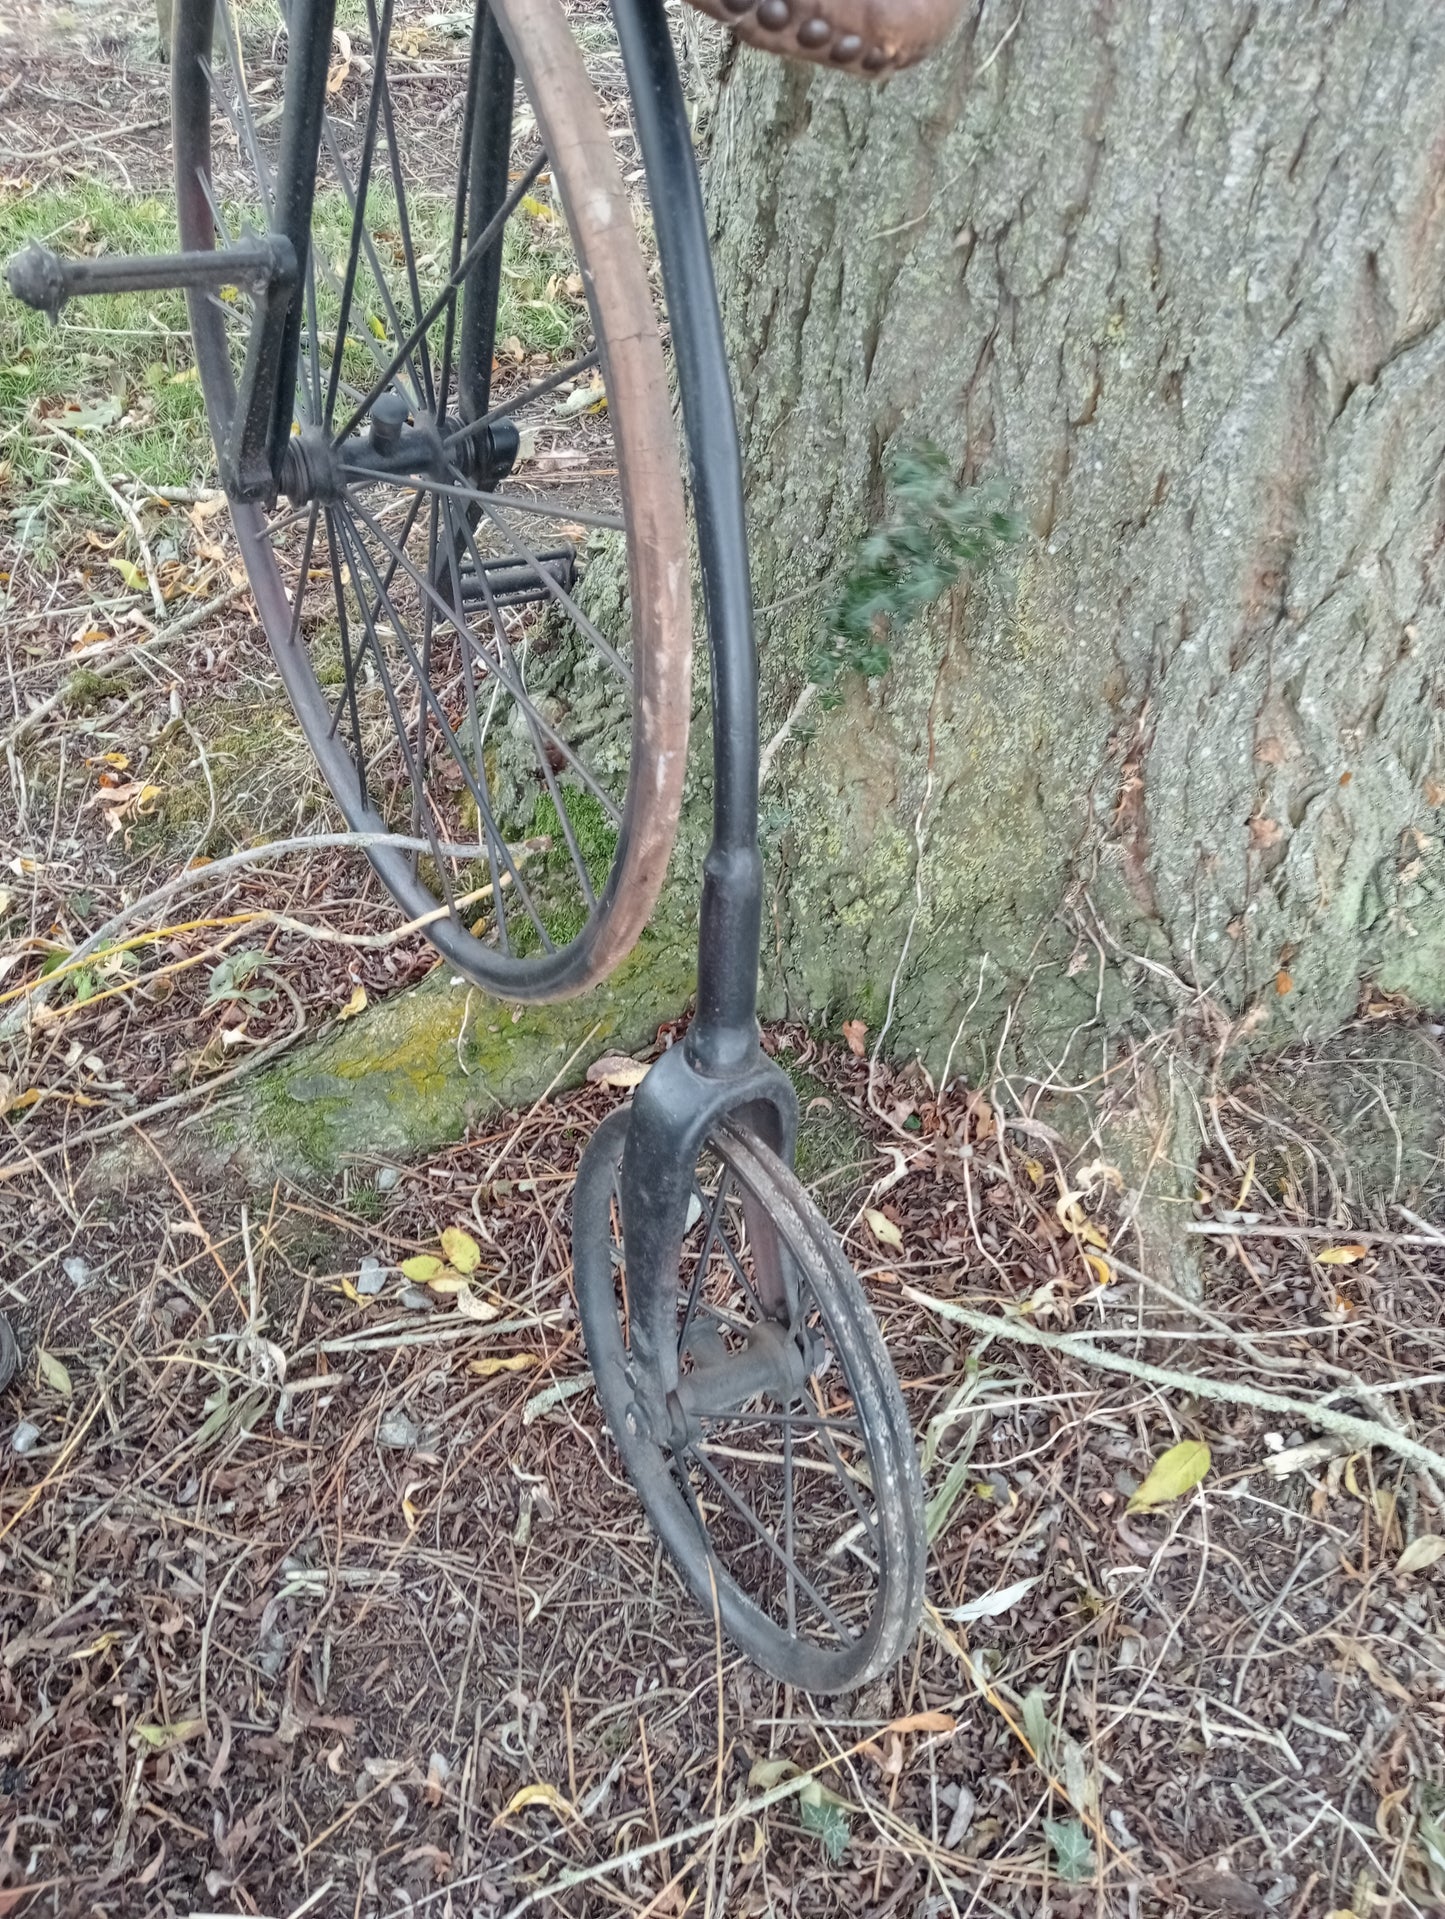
(317,1596)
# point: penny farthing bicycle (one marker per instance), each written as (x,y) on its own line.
(489,650)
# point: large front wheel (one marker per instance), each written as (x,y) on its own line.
(787,1490)
(481,419)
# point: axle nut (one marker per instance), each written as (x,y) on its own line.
(37,279)
(388,418)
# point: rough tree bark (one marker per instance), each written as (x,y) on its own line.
(1174,273)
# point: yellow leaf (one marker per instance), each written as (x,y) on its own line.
(882,1228)
(1100,1268)
(616,1070)
(923,1722)
(1245,1184)
(1091,1235)
(1173,1473)
(356,1004)
(538,209)
(1035,1170)
(539,1793)
(502,1363)
(351,1292)
(53,1374)
(423,1268)
(1370,1666)
(461,1249)
(1341,1255)
(131,574)
(376,326)
(470,1307)
(98,1646)
(409,1512)
(448,1280)
(187,377)
(767,1773)
(161,1738)
(1420,1553)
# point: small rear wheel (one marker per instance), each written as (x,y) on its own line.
(481,414)
(788,1492)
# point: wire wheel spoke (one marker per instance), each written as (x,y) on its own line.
(449,580)
(759,1465)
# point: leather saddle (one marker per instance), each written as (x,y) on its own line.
(872,37)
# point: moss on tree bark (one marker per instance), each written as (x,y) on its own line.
(1175,276)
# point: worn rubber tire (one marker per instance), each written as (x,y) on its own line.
(770,1189)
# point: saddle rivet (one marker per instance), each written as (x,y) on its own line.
(847,48)
(774,14)
(814,33)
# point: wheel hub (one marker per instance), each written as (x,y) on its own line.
(393,447)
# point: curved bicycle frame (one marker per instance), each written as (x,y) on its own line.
(720,1071)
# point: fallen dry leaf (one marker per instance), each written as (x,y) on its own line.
(539,1793)
(1173,1474)
(616,1070)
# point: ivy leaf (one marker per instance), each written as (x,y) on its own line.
(231,980)
(1073,1850)
(1173,1474)
(825,1815)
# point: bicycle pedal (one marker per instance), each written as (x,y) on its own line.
(44,281)
(513,582)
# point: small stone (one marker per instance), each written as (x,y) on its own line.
(416,1300)
(77,1272)
(388,1179)
(370,1277)
(26,1437)
(397,1431)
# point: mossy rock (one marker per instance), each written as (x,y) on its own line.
(416,1071)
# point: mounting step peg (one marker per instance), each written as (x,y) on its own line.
(41,279)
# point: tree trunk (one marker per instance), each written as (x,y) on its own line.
(1174,274)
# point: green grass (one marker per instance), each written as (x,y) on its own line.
(119,370)
(119,366)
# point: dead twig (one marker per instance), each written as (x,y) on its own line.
(92,1135)
(1362,1433)
(122,505)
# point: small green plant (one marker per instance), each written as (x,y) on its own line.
(936,529)
(231,980)
(367,1203)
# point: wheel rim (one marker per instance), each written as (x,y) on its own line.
(802,1518)
(539,756)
